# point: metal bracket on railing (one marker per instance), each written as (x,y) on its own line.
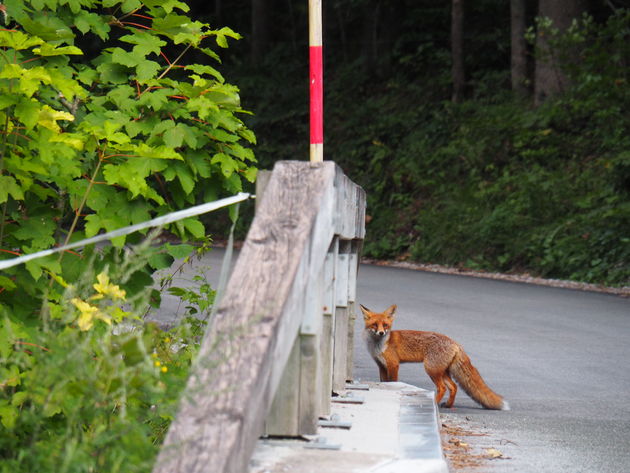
(348,398)
(320,443)
(335,422)
(357,386)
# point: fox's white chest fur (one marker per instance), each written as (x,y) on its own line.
(376,345)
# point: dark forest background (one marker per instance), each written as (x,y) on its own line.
(489,135)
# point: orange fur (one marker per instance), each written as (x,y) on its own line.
(443,358)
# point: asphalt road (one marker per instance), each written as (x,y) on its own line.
(560,357)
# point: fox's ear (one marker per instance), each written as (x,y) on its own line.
(366,312)
(391,310)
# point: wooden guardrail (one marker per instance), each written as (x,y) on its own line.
(281,340)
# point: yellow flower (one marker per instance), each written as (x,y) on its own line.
(164,369)
(104,287)
(88,314)
(157,363)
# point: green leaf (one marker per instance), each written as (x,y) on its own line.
(228,164)
(132,174)
(221,36)
(36,267)
(211,53)
(203,106)
(244,154)
(8,415)
(9,186)
(7,101)
(49,117)
(173,137)
(159,152)
(91,22)
(27,111)
(113,73)
(48,49)
(195,227)
(147,70)
(248,135)
(130,5)
(145,42)
(19,398)
(185,177)
(155,99)
(29,79)
(199,161)
(179,251)
(68,87)
(38,230)
(18,40)
(167,5)
(122,97)
(204,69)
(126,58)
(218,134)
(250,174)
(6,284)
(160,261)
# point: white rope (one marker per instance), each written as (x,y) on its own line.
(156,222)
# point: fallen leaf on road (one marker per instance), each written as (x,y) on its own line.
(493,453)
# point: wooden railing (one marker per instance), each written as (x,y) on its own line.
(281,340)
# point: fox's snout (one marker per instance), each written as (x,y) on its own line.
(379,330)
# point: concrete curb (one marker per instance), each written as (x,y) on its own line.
(394,430)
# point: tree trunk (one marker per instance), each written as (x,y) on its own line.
(549,77)
(457,50)
(260,30)
(518,43)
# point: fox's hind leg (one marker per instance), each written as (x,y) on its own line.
(452,388)
(438,379)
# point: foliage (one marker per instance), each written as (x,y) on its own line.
(491,183)
(91,387)
(112,112)
(91,143)
(495,185)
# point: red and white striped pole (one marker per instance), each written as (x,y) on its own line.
(316,67)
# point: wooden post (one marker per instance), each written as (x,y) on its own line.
(353,266)
(316,67)
(328,326)
(340,367)
(262,179)
(282,419)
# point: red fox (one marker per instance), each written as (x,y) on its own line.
(442,359)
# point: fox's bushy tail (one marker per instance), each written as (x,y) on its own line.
(469,379)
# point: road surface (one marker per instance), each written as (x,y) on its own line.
(560,357)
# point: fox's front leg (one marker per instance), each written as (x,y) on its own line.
(389,373)
(383,372)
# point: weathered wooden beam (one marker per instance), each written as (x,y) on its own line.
(246,347)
